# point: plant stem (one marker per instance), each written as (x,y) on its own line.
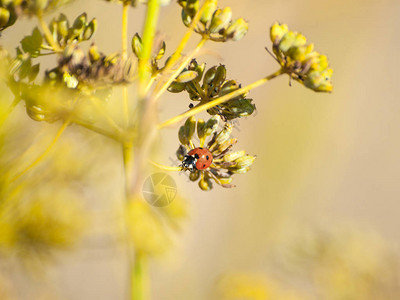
(153,9)
(47,33)
(111,135)
(124,39)
(10,109)
(124,31)
(127,151)
(219,100)
(140,282)
(134,279)
(164,167)
(47,151)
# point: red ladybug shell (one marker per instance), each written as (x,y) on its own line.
(203,157)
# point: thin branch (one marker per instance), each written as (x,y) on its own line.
(165,168)
(219,100)
(124,40)
(44,154)
(153,9)
(47,34)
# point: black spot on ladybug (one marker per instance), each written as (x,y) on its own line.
(207,157)
(204,166)
(196,156)
(200,148)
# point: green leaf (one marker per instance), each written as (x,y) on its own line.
(32,43)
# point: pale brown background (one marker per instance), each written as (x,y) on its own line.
(322,159)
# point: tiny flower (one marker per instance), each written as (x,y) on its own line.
(299,60)
(214,85)
(211,161)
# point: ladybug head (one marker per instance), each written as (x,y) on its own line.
(189,163)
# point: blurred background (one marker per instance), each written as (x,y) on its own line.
(318,215)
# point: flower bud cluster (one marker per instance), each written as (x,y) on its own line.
(216,24)
(17,8)
(214,84)
(64,33)
(299,59)
(93,69)
(225,163)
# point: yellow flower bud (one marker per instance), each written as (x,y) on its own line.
(278,31)
(161,52)
(200,128)
(137,45)
(182,136)
(234,155)
(209,9)
(223,135)
(186,76)
(244,161)
(176,87)
(211,125)
(209,76)
(205,184)
(89,30)
(287,41)
(222,147)
(62,26)
(193,176)
(237,30)
(226,180)
(94,54)
(4,16)
(300,40)
(220,76)
(220,19)
(240,171)
(190,127)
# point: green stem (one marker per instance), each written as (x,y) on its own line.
(220,100)
(10,109)
(164,167)
(124,39)
(127,151)
(45,153)
(47,34)
(114,136)
(140,282)
(153,9)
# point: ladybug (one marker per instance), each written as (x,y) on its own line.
(197,159)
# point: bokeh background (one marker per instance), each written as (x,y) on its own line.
(318,215)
